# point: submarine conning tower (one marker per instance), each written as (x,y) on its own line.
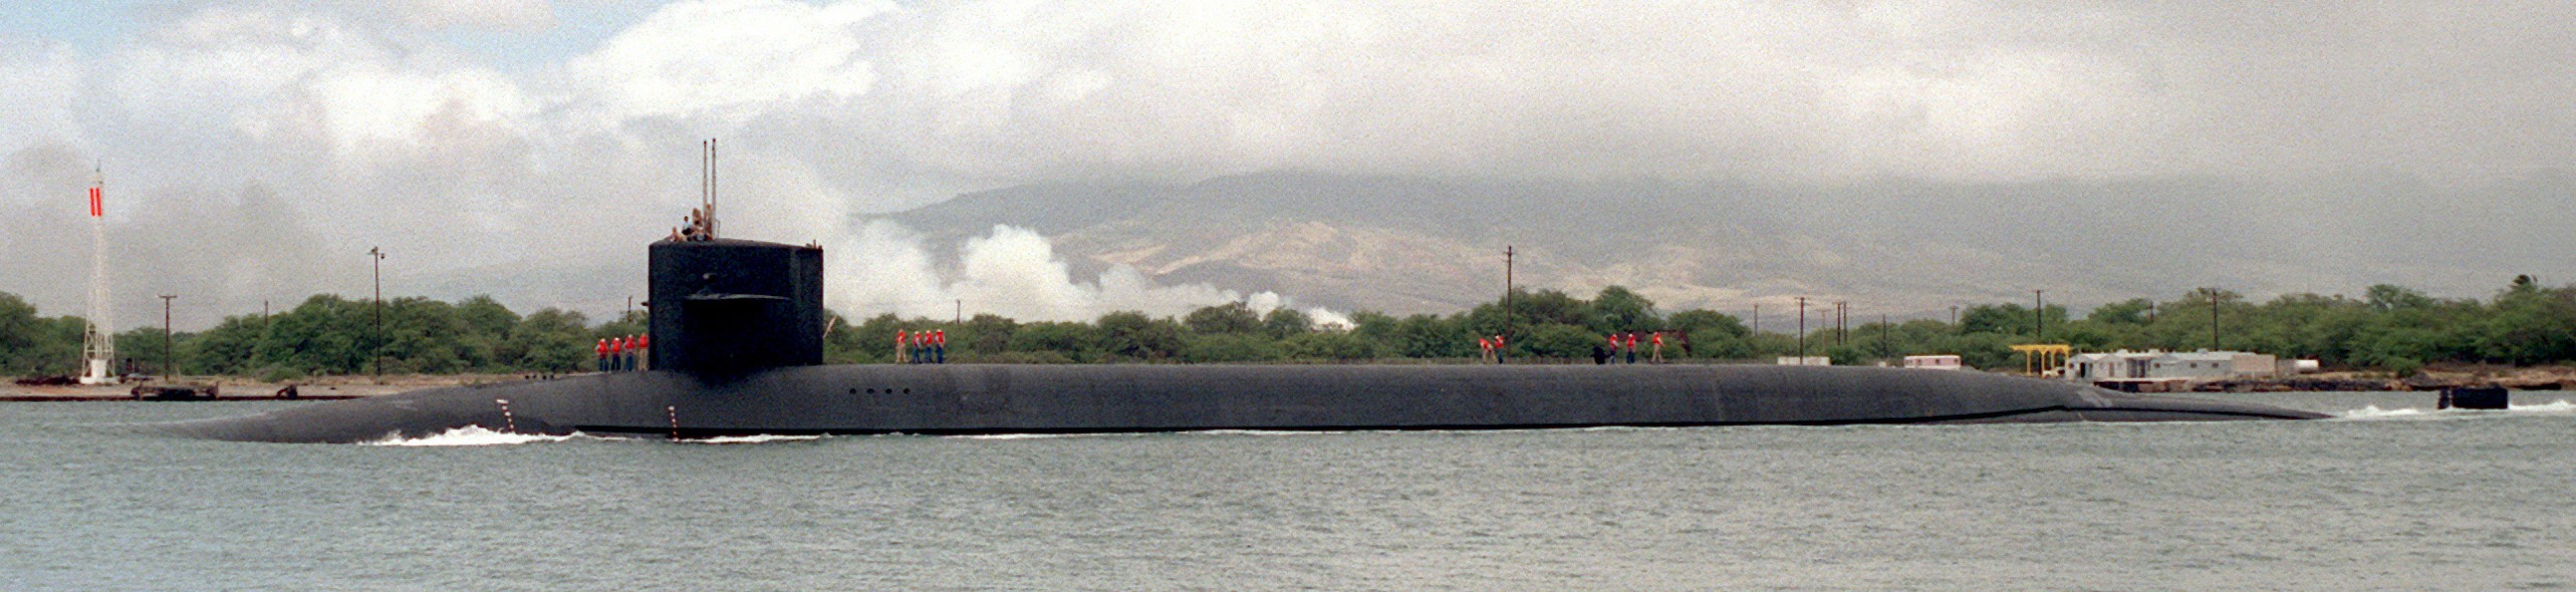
(723,306)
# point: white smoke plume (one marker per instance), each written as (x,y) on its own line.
(1012,272)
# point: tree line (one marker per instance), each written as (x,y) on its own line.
(2389,328)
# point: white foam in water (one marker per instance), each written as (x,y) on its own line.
(473,435)
(1029,436)
(2558,406)
(751,439)
(1262,432)
(2373,411)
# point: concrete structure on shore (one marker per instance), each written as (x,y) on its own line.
(1939,362)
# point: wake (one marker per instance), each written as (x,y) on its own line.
(2371,412)
(473,435)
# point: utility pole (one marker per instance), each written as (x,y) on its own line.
(169,358)
(2213,318)
(1499,351)
(377,254)
(1802,330)
(1842,322)
(961,312)
(1954,320)
(2038,316)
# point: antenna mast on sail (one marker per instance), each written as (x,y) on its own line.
(707,186)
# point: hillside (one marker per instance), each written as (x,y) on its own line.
(1907,248)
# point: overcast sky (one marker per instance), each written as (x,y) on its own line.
(283,138)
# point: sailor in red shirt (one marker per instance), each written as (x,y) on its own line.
(643,351)
(1659,348)
(616,354)
(602,350)
(902,349)
(939,346)
(1632,347)
(1485,349)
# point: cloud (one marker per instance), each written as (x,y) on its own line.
(373,130)
(484,14)
(730,59)
(44,85)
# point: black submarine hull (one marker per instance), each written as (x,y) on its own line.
(1048,399)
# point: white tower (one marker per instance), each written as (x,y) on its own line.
(98,344)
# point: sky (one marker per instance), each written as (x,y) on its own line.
(255,149)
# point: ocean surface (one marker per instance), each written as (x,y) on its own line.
(2392,496)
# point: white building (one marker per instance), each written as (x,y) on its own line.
(1807,361)
(2163,365)
(1941,362)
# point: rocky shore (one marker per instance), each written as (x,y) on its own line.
(2543,378)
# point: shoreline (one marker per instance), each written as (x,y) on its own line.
(2539,378)
(236,388)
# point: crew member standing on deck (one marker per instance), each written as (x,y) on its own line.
(939,346)
(1484,350)
(644,351)
(902,349)
(1659,348)
(602,350)
(1498,348)
(1632,347)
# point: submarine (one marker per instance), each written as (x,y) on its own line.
(738,328)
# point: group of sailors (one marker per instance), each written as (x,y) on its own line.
(921,347)
(621,354)
(696,227)
(1493,348)
(1626,344)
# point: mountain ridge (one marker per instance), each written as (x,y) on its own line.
(1909,248)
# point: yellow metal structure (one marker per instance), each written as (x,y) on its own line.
(2043,359)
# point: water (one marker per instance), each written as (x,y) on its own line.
(2396,496)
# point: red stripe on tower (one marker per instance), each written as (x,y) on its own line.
(93,202)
